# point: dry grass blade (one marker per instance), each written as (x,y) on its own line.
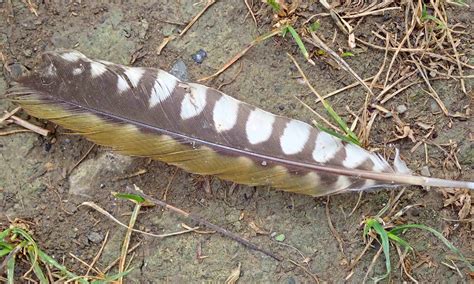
(234,275)
(96,257)
(315,278)
(111,217)
(191,23)
(126,240)
(240,54)
(27,125)
(251,12)
(7,115)
(210,225)
(334,232)
(355,84)
(6,133)
(316,41)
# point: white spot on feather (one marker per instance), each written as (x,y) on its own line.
(355,156)
(326,147)
(134,74)
(194,102)
(50,71)
(77,71)
(380,164)
(73,56)
(97,69)
(163,88)
(225,113)
(342,183)
(122,84)
(294,137)
(399,164)
(259,126)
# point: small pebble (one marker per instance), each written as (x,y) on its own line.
(199,56)
(15,70)
(95,237)
(401,109)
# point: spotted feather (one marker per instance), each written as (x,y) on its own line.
(149,113)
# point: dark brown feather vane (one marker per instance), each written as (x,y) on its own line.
(149,113)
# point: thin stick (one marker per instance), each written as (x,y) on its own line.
(96,257)
(27,125)
(316,41)
(371,266)
(318,115)
(107,214)
(251,12)
(84,263)
(334,232)
(216,228)
(315,278)
(81,159)
(126,240)
(190,24)
(113,263)
(240,54)
(357,83)
(14,132)
(9,114)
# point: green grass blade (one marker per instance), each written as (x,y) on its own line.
(342,124)
(399,240)
(378,228)
(112,278)
(129,196)
(437,234)
(5,233)
(36,268)
(298,41)
(51,261)
(5,251)
(11,270)
(334,133)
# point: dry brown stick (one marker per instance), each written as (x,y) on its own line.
(81,159)
(96,257)
(28,125)
(14,132)
(191,23)
(418,50)
(315,278)
(165,194)
(316,41)
(450,38)
(376,77)
(370,13)
(371,266)
(84,263)
(251,12)
(208,224)
(399,80)
(405,38)
(356,260)
(334,232)
(433,92)
(113,263)
(126,240)
(240,54)
(9,114)
(357,83)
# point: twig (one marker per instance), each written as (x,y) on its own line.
(126,240)
(315,278)
(14,132)
(240,54)
(111,217)
(251,12)
(81,159)
(316,41)
(233,78)
(372,264)
(334,232)
(84,263)
(113,263)
(344,89)
(165,194)
(216,228)
(370,13)
(27,125)
(318,115)
(7,115)
(191,23)
(96,257)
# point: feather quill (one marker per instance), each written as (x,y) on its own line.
(150,113)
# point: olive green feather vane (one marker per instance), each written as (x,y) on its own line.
(147,112)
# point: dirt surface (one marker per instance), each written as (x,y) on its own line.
(40,183)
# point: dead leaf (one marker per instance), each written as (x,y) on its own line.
(257,229)
(234,275)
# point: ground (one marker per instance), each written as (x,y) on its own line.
(42,183)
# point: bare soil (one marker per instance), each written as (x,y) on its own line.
(38,185)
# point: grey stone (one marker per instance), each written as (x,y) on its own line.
(425,171)
(401,109)
(180,70)
(95,237)
(85,177)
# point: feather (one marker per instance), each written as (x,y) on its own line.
(147,112)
